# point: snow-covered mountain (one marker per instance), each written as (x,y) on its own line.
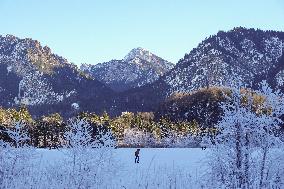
(30,74)
(33,76)
(139,67)
(241,54)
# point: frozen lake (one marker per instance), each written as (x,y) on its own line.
(184,165)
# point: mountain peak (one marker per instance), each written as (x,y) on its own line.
(139,67)
(139,53)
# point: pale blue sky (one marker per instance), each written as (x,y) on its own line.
(92,31)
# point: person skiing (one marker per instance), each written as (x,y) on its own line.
(137,156)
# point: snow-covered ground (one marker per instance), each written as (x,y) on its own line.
(158,167)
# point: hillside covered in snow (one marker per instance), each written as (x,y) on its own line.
(241,54)
(33,76)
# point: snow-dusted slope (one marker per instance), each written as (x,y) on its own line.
(139,67)
(246,54)
(26,61)
(33,76)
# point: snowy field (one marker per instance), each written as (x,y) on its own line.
(158,167)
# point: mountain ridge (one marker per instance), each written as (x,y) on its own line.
(33,76)
(30,74)
(243,54)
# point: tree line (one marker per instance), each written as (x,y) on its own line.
(129,129)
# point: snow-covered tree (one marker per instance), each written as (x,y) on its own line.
(136,137)
(16,158)
(89,160)
(268,137)
(18,134)
(245,146)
